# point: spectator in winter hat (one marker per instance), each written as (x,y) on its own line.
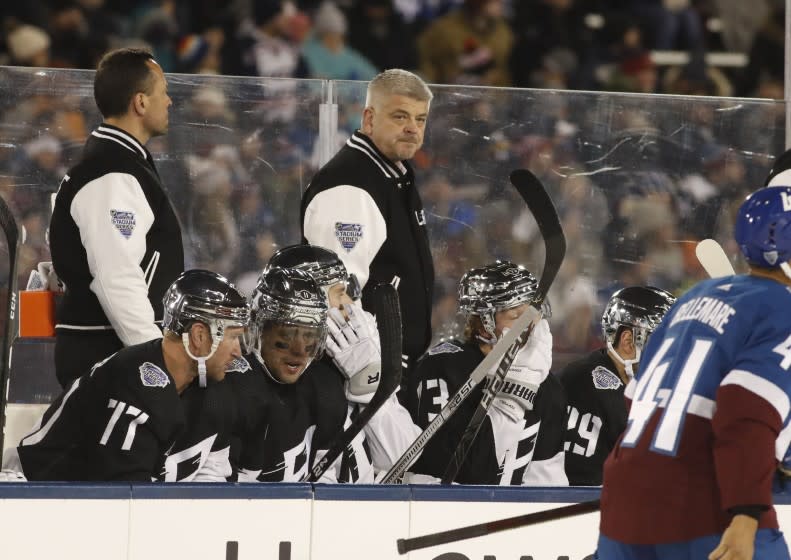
(29,46)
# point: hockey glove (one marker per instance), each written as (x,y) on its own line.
(353,345)
(528,370)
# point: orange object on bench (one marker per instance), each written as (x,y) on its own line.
(36,313)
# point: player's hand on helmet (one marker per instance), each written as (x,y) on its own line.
(528,370)
(353,345)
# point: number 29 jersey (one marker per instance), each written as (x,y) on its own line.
(708,416)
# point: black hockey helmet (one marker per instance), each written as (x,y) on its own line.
(287,296)
(780,173)
(640,308)
(494,287)
(206,297)
(324,265)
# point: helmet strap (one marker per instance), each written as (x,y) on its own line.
(627,364)
(185,340)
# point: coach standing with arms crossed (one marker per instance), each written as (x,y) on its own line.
(364,205)
(115,239)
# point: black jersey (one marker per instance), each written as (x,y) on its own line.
(116,423)
(597,415)
(274,424)
(504,452)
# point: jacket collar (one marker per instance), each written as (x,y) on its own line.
(119,136)
(364,144)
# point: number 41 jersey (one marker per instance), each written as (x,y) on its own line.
(708,411)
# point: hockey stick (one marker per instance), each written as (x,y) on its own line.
(12,237)
(535,196)
(713,259)
(453,535)
(388,319)
(538,202)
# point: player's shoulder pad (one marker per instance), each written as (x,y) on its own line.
(151,375)
(447,347)
(239,365)
(603,378)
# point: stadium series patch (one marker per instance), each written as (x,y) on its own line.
(603,378)
(239,365)
(348,235)
(444,348)
(153,376)
(123,221)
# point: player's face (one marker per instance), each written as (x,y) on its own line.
(157,101)
(396,125)
(227,351)
(337,296)
(507,317)
(287,350)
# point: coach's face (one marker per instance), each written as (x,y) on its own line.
(156,102)
(396,125)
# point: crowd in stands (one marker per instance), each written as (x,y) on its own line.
(636,182)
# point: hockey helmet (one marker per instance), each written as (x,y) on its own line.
(763,227)
(495,287)
(289,297)
(205,297)
(640,308)
(324,265)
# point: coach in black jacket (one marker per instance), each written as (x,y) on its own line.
(364,205)
(115,239)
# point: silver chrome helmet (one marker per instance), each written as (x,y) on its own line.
(324,265)
(501,285)
(640,308)
(205,297)
(287,296)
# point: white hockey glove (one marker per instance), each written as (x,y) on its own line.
(528,370)
(353,346)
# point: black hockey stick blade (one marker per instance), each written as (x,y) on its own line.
(546,215)
(388,319)
(537,199)
(13,239)
(471,531)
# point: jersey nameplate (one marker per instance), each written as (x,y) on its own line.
(603,378)
(348,235)
(153,376)
(239,365)
(444,348)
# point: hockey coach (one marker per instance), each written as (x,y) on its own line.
(364,205)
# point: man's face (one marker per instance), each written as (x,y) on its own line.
(337,296)
(227,351)
(505,319)
(158,101)
(396,125)
(287,350)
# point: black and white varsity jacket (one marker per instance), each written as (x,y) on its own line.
(367,209)
(115,239)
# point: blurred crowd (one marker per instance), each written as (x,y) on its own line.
(637,180)
(566,44)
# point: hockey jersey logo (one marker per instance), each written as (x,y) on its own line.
(123,221)
(444,348)
(348,235)
(239,365)
(153,376)
(603,378)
